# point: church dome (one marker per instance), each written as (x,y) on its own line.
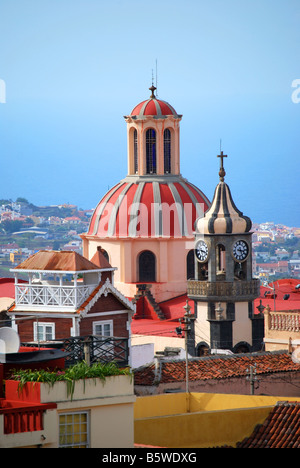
(153,107)
(223,217)
(148,208)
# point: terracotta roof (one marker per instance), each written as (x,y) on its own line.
(100,260)
(52,260)
(215,367)
(281,429)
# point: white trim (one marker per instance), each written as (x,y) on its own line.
(282,341)
(105,289)
(102,323)
(43,324)
(59,272)
(33,315)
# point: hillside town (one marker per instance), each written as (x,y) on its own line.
(26,228)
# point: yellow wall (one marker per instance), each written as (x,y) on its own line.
(213,420)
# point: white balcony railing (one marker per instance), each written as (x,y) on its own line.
(285,321)
(52,296)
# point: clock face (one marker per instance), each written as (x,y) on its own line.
(201,251)
(240,250)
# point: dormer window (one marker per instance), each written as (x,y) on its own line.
(151,151)
(167,151)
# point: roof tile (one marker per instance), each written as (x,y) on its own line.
(281,429)
(213,367)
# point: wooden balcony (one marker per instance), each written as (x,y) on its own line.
(222,290)
(51,297)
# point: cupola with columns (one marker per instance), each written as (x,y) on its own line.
(153,138)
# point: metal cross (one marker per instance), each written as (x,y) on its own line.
(222,171)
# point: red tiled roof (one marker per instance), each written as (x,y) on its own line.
(282,287)
(281,429)
(216,367)
(100,260)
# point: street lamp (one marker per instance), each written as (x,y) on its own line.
(187,328)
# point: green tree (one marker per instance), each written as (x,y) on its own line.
(11,226)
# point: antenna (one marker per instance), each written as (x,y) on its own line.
(156,76)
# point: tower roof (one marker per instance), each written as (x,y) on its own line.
(223,217)
(51,260)
(153,107)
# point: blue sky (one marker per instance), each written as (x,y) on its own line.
(74,68)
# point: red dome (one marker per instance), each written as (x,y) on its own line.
(153,106)
(149,209)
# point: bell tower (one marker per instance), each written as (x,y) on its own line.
(223,288)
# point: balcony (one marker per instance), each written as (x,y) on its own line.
(51,297)
(282,329)
(19,417)
(222,290)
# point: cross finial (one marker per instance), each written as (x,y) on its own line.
(222,171)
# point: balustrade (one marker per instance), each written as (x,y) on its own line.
(197,288)
(285,321)
(52,295)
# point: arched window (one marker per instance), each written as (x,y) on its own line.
(135,151)
(221,258)
(147,266)
(190,265)
(151,151)
(167,151)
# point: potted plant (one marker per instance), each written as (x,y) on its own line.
(25,384)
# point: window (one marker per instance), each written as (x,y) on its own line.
(151,151)
(43,331)
(147,267)
(167,151)
(221,258)
(190,265)
(74,430)
(135,151)
(103,328)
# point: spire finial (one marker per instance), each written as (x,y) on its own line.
(222,172)
(152,89)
